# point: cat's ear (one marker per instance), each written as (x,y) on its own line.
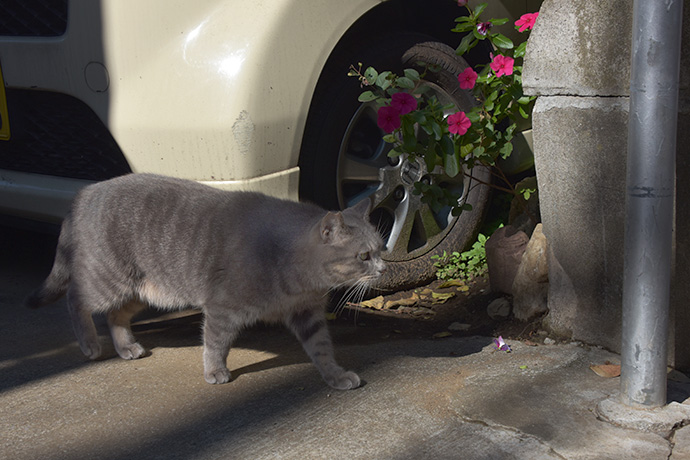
(361,209)
(331,225)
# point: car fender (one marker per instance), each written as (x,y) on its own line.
(216,91)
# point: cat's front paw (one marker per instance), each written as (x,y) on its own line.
(131,351)
(217,376)
(344,381)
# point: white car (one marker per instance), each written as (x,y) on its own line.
(238,95)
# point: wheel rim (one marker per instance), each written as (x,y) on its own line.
(410,228)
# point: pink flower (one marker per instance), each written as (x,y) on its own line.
(502,65)
(403,103)
(388,118)
(462,2)
(458,123)
(526,21)
(467,78)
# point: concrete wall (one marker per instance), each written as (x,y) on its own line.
(578,63)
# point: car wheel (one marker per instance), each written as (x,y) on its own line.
(344,160)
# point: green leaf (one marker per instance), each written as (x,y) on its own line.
(506,150)
(436,128)
(430,159)
(421,89)
(474,115)
(367,96)
(383,81)
(371,75)
(478,10)
(499,21)
(520,50)
(409,137)
(405,82)
(394,153)
(412,74)
(522,112)
(456,211)
(390,138)
(466,44)
(501,41)
(451,165)
(466,150)
(418,117)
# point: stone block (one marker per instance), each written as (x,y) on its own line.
(580,155)
(580,48)
(531,284)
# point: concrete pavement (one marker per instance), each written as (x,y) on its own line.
(449,398)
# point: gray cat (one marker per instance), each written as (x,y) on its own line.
(242,257)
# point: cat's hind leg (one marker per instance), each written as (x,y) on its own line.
(119,322)
(311,329)
(83,325)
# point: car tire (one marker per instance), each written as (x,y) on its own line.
(344,159)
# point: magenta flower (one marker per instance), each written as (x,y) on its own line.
(502,65)
(388,118)
(462,2)
(467,78)
(526,21)
(458,123)
(403,103)
(483,28)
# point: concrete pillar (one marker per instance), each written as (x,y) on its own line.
(578,63)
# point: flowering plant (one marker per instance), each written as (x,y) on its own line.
(448,139)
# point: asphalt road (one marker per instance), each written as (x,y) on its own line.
(450,398)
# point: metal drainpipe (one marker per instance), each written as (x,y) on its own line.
(650,189)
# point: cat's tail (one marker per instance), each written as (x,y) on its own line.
(57,282)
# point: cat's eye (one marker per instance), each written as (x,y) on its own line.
(364,256)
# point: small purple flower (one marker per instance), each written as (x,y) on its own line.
(501,345)
(483,28)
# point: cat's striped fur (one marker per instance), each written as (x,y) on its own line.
(241,257)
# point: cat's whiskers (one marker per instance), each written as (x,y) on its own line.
(355,294)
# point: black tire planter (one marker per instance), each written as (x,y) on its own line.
(344,160)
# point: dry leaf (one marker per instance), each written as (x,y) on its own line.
(376,303)
(406,302)
(451,283)
(606,370)
(440,335)
(441,297)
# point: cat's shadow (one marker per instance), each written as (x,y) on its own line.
(183,329)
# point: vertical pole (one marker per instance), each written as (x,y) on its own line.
(650,186)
